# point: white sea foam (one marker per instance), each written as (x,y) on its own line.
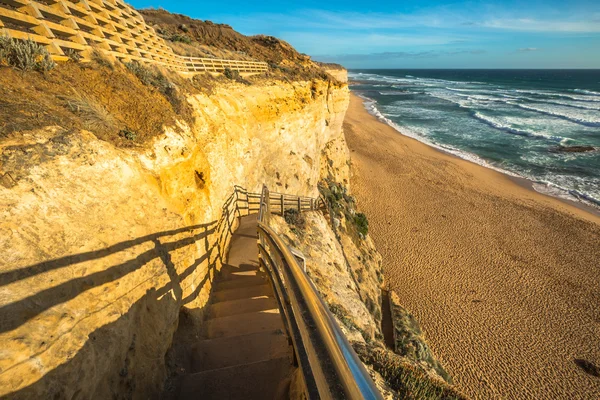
(552,189)
(547,94)
(590,92)
(583,105)
(371,106)
(462,90)
(507,127)
(579,117)
(541,186)
(395,93)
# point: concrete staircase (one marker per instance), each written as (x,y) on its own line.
(245,353)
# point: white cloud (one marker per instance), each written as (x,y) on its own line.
(533,25)
(442,18)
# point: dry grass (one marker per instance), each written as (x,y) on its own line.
(95,117)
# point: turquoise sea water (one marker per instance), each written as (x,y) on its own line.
(511,120)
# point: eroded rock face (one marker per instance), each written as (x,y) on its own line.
(332,268)
(102,246)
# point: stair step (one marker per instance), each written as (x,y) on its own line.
(240,282)
(242,306)
(226,352)
(242,293)
(231,272)
(243,324)
(261,380)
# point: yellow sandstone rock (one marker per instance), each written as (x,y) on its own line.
(101,246)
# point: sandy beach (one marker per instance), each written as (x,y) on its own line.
(505,281)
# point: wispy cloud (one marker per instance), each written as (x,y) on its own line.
(429,35)
(357,42)
(394,55)
(443,18)
(536,25)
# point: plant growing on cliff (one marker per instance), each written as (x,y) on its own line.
(101,59)
(295,218)
(128,134)
(25,55)
(94,115)
(362,224)
(180,38)
(74,56)
(408,380)
(234,76)
(343,316)
(155,78)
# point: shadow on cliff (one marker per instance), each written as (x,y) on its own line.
(125,356)
(19,312)
(118,360)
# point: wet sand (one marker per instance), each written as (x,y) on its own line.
(505,281)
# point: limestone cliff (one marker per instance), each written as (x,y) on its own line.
(102,245)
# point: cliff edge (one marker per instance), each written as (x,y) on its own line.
(115,187)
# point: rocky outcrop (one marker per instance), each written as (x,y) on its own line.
(572,149)
(104,245)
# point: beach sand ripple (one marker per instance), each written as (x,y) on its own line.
(504,281)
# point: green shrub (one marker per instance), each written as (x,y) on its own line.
(294,217)
(231,74)
(362,224)
(25,55)
(234,75)
(73,55)
(181,38)
(407,379)
(128,134)
(343,316)
(144,74)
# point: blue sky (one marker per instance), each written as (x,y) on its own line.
(418,34)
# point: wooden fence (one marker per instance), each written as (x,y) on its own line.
(111,26)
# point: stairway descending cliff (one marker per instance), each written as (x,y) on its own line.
(245,353)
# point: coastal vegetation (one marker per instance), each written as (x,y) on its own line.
(24,55)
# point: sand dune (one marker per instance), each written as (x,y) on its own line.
(505,281)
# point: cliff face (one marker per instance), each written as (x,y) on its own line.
(103,245)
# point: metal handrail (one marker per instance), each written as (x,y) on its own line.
(330,367)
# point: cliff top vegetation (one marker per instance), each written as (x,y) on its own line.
(96,95)
(196,38)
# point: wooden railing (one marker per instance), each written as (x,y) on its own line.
(194,64)
(111,26)
(250,202)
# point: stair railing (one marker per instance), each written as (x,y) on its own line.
(327,362)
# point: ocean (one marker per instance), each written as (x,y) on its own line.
(521,122)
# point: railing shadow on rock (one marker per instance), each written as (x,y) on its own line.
(23,315)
